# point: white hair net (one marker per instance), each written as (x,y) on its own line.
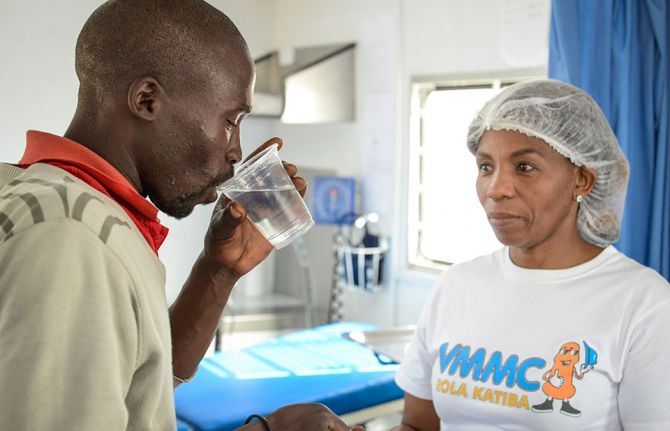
(570,122)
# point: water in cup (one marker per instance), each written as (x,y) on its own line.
(273,204)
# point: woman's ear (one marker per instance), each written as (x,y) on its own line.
(585,181)
(145,97)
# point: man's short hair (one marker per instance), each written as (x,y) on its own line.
(177,42)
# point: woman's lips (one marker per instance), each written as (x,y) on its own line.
(502,219)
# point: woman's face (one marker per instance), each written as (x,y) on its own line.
(527,189)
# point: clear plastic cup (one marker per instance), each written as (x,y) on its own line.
(275,207)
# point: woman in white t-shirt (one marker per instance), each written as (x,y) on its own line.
(558,330)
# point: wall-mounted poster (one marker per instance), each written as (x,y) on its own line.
(333,200)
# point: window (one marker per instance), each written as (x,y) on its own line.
(446,222)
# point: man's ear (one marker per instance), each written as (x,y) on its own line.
(586,180)
(145,98)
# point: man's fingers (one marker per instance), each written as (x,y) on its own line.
(298,182)
(300,185)
(227,220)
(265,145)
(237,211)
(221,203)
(290,168)
(338,425)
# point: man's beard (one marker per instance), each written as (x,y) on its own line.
(182,206)
(178,210)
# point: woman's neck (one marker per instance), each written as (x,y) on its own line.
(554,255)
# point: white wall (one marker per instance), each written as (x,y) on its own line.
(256,19)
(38,85)
(456,36)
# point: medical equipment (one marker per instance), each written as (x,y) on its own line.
(359,252)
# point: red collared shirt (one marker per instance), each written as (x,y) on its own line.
(98,173)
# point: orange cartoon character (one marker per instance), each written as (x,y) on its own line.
(558,380)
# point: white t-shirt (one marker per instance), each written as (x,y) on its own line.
(502,347)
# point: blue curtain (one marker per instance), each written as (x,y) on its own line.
(617,51)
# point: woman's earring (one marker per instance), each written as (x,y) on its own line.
(579,199)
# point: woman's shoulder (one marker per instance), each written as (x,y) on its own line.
(650,287)
(634,271)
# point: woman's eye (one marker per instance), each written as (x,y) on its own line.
(525,167)
(484,168)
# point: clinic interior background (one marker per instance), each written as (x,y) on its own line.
(398,42)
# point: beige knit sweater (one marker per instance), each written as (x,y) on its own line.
(84,329)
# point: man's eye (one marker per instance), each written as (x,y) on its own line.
(563,352)
(574,352)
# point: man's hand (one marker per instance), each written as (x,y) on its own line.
(232,241)
(312,417)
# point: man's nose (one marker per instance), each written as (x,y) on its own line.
(501,185)
(234,150)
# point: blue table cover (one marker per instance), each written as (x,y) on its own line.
(312,365)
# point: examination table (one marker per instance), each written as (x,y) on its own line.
(311,365)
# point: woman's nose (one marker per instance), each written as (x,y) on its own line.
(501,185)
